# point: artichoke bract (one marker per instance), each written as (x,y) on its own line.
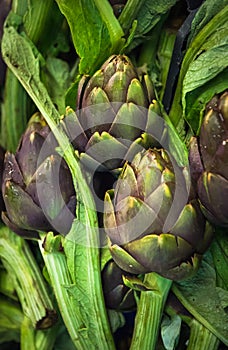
(111,111)
(37,186)
(135,219)
(117,295)
(208,158)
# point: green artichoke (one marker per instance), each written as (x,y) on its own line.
(135,220)
(112,111)
(117,295)
(37,186)
(208,160)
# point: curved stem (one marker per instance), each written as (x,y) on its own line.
(28,280)
(202,338)
(149,312)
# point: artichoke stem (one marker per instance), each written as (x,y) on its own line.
(11,318)
(27,340)
(56,264)
(15,108)
(29,284)
(201,338)
(45,339)
(149,312)
(31,339)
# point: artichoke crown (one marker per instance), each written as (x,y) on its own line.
(116,81)
(111,113)
(37,185)
(208,159)
(135,214)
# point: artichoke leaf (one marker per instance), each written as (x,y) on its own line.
(20,208)
(129,122)
(97,149)
(156,252)
(128,185)
(213,189)
(124,260)
(136,94)
(201,297)
(95,31)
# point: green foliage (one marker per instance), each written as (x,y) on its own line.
(204,60)
(170,331)
(95,31)
(207,302)
(150,13)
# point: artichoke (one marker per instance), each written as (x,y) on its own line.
(112,111)
(37,185)
(135,217)
(208,158)
(117,295)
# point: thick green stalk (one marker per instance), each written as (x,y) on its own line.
(149,312)
(29,284)
(149,50)
(11,318)
(37,340)
(164,52)
(15,326)
(176,108)
(56,264)
(24,61)
(15,110)
(129,13)
(115,30)
(41,21)
(201,338)
(7,287)
(27,341)
(45,339)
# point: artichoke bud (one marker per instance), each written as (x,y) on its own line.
(117,78)
(208,158)
(135,217)
(114,102)
(37,184)
(117,295)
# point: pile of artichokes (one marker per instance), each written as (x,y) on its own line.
(136,210)
(119,199)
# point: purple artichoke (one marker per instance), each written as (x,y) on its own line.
(117,295)
(37,185)
(208,159)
